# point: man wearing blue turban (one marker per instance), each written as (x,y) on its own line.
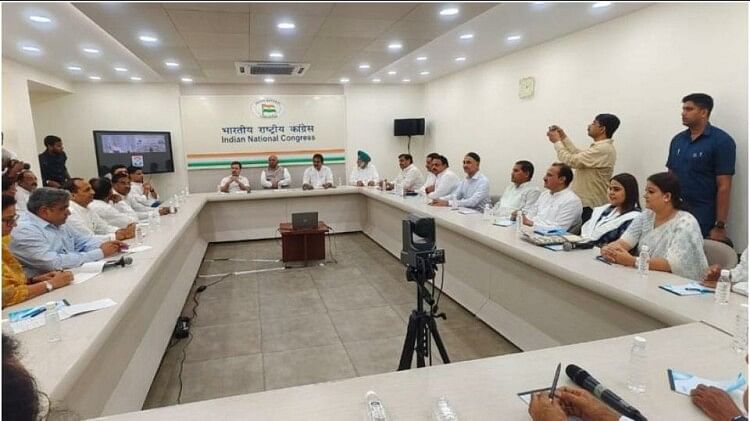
(365,174)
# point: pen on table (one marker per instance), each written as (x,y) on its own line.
(699,289)
(554,382)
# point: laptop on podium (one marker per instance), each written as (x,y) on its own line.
(304,220)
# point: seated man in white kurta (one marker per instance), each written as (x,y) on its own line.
(318,176)
(410,177)
(365,174)
(235,183)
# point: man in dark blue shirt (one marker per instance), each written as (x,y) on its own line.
(52,163)
(703,159)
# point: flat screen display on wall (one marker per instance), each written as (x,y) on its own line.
(151,151)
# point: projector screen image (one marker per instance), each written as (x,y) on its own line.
(408,127)
(151,151)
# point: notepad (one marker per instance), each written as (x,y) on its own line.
(87,271)
(691,288)
(467,211)
(65,312)
(682,382)
(137,249)
(504,222)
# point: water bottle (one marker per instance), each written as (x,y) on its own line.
(187,190)
(176,201)
(375,408)
(443,411)
(643,261)
(339,182)
(519,223)
(157,218)
(486,213)
(740,331)
(723,287)
(139,235)
(52,321)
(638,366)
(399,189)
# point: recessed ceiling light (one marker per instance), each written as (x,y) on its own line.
(187,80)
(395,46)
(148,38)
(406,80)
(95,78)
(376,80)
(31,49)
(421,58)
(286,25)
(513,38)
(135,78)
(364,66)
(601,4)
(460,58)
(91,50)
(40,19)
(424,73)
(171,63)
(392,72)
(467,36)
(276,54)
(269,80)
(120,69)
(449,11)
(344,80)
(75,68)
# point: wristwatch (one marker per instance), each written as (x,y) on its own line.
(739,418)
(49,286)
(720,224)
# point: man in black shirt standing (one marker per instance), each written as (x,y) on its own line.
(52,162)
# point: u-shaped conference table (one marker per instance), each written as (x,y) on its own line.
(551,304)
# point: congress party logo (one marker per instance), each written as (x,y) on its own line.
(267,108)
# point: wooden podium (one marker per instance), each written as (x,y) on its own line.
(303,244)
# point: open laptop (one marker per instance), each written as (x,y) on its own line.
(304,220)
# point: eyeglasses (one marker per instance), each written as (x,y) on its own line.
(11,219)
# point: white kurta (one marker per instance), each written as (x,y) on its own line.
(233,186)
(111,215)
(410,177)
(445,183)
(561,209)
(365,175)
(317,178)
(88,221)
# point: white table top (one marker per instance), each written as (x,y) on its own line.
(486,389)
(84,336)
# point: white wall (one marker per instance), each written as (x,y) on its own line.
(637,67)
(19,134)
(95,106)
(369,124)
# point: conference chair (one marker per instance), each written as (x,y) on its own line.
(718,253)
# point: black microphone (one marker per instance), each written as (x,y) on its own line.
(124,260)
(568,246)
(583,379)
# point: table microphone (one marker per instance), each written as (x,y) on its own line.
(124,260)
(583,379)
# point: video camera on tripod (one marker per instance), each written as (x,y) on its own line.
(421,258)
(418,251)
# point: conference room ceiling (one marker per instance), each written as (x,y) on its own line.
(336,39)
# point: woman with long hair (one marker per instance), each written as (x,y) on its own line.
(608,222)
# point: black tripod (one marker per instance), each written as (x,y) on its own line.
(422,325)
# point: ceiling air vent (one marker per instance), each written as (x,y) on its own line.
(246,68)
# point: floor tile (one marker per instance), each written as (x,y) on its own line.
(213,379)
(375,356)
(291,305)
(367,324)
(308,331)
(306,366)
(224,341)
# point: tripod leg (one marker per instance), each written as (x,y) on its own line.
(438,341)
(421,340)
(411,339)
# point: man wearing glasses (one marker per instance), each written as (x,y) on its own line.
(593,166)
(16,286)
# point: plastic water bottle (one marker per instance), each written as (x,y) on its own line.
(139,235)
(375,408)
(176,201)
(157,218)
(443,411)
(52,321)
(643,261)
(740,330)
(486,214)
(723,287)
(638,366)
(399,189)
(519,223)
(187,190)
